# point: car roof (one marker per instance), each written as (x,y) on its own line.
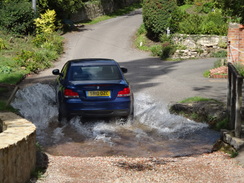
(92,61)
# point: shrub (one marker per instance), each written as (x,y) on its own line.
(34,61)
(176,17)
(214,23)
(46,24)
(64,8)
(207,7)
(52,42)
(239,67)
(167,50)
(220,54)
(191,24)
(157,16)
(156,50)
(16,17)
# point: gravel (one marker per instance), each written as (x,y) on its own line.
(216,167)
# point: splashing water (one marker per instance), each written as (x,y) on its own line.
(37,104)
(153,123)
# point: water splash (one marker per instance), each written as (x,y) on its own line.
(157,116)
(37,104)
(152,119)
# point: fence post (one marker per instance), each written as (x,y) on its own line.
(238,107)
(233,102)
(229,92)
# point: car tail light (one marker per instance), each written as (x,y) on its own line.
(124,93)
(68,93)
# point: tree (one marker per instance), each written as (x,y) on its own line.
(63,8)
(17,16)
(157,15)
(233,8)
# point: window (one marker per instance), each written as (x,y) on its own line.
(104,72)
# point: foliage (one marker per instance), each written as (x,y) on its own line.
(46,24)
(206,74)
(63,8)
(48,48)
(223,124)
(5,69)
(157,16)
(207,7)
(213,23)
(163,49)
(220,54)
(17,17)
(3,44)
(4,107)
(196,99)
(191,24)
(33,61)
(240,68)
(176,17)
(233,8)
(52,42)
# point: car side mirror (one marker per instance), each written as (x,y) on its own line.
(124,70)
(57,72)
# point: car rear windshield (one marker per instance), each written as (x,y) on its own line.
(104,72)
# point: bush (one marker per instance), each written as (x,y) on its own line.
(176,17)
(157,16)
(48,48)
(191,24)
(212,23)
(220,54)
(167,50)
(33,61)
(156,50)
(52,42)
(17,17)
(46,24)
(240,68)
(207,7)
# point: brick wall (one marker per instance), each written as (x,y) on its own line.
(236,43)
(17,149)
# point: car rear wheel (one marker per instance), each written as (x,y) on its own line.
(63,115)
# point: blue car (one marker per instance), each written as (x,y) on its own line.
(93,88)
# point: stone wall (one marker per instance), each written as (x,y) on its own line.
(99,8)
(192,46)
(17,149)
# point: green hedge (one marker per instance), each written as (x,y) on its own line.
(157,16)
(17,17)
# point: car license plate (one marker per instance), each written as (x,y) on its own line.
(98,93)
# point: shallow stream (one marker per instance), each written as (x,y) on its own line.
(154,132)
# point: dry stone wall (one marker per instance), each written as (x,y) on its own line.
(193,46)
(98,8)
(17,148)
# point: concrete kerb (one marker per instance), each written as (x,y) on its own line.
(17,148)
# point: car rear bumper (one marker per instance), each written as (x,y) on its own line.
(116,108)
(102,113)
